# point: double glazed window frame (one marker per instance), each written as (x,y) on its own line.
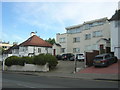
(76,50)
(97,33)
(76,39)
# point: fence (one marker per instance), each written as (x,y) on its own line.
(90,56)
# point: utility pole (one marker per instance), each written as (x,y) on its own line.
(85,59)
(75,65)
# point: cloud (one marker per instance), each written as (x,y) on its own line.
(50,17)
(47,14)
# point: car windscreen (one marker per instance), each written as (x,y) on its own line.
(98,58)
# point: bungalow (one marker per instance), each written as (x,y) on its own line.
(115,33)
(34,46)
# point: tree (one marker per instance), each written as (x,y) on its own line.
(51,41)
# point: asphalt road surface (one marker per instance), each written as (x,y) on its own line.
(11,80)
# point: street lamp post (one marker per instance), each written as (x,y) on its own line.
(75,65)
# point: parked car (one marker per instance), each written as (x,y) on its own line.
(59,57)
(104,60)
(68,56)
(80,57)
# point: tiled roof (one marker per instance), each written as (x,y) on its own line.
(116,16)
(35,41)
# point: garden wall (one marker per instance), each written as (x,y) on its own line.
(29,67)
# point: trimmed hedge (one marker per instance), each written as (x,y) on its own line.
(28,60)
(41,59)
(14,60)
(52,61)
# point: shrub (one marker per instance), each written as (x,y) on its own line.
(28,60)
(39,59)
(14,60)
(42,59)
(51,60)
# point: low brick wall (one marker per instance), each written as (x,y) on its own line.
(29,67)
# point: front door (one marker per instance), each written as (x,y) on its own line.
(54,52)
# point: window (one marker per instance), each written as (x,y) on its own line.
(76,50)
(75,30)
(62,50)
(4,46)
(107,56)
(62,40)
(76,39)
(85,27)
(39,50)
(87,36)
(97,33)
(23,49)
(98,23)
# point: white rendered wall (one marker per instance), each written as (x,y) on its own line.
(115,39)
(34,49)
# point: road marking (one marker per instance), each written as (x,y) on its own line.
(25,86)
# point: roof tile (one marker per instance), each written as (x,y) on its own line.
(35,41)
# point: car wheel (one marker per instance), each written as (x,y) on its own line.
(116,60)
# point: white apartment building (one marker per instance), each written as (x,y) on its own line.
(85,37)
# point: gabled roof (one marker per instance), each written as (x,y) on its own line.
(35,41)
(116,16)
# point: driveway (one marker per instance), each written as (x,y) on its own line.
(67,66)
(112,69)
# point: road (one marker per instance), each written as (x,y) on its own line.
(12,80)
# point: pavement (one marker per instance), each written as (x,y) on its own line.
(105,73)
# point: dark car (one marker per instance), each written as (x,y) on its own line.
(68,56)
(104,60)
(59,57)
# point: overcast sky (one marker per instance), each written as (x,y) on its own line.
(48,18)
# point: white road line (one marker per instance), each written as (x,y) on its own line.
(25,86)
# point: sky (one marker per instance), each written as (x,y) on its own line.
(19,19)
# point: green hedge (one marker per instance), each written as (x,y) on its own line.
(28,60)
(41,59)
(14,60)
(52,61)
